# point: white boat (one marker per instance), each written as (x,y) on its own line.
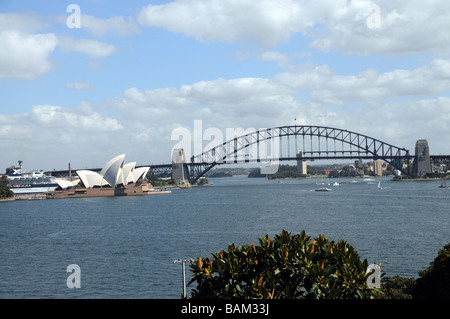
(336,184)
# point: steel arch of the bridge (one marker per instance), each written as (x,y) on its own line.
(316,142)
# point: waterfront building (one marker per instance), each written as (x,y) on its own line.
(114,173)
(378,167)
(359,163)
(115,179)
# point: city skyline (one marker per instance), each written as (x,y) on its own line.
(83,81)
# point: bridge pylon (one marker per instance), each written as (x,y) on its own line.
(301,164)
(422,162)
(180,172)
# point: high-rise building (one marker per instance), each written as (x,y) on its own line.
(378,167)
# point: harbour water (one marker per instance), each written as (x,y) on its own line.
(125,246)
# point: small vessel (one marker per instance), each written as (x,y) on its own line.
(336,184)
(323,189)
(379,185)
(443,185)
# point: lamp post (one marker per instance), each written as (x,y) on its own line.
(183,273)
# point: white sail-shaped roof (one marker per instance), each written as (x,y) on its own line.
(91,179)
(112,171)
(127,173)
(139,172)
(64,183)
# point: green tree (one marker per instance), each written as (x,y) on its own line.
(156,181)
(397,288)
(434,282)
(4,189)
(289,266)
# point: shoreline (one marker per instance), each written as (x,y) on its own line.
(420,179)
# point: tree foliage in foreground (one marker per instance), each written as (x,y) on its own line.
(288,266)
(434,282)
(4,189)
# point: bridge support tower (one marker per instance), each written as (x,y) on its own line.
(422,162)
(301,164)
(180,172)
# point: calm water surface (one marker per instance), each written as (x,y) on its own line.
(125,247)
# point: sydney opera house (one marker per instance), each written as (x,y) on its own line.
(115,179)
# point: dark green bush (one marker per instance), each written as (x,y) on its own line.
(434,282)
(4,189)
(289,266)
(397,288)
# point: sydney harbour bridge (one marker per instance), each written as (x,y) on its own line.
(298,143)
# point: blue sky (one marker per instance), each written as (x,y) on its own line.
(135,71)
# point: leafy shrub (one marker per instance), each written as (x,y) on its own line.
(289,266)
(4,189)
(434,282)
(397,288)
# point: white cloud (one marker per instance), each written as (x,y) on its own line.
(281,58)
(93,48)
(21,22)
(327,86)
(64,132)
(317,84)
(267,21)
(66,119)
(405,26)
(205,98)
(115,25)
(25,55)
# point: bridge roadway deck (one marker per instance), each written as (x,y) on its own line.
(445,158)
